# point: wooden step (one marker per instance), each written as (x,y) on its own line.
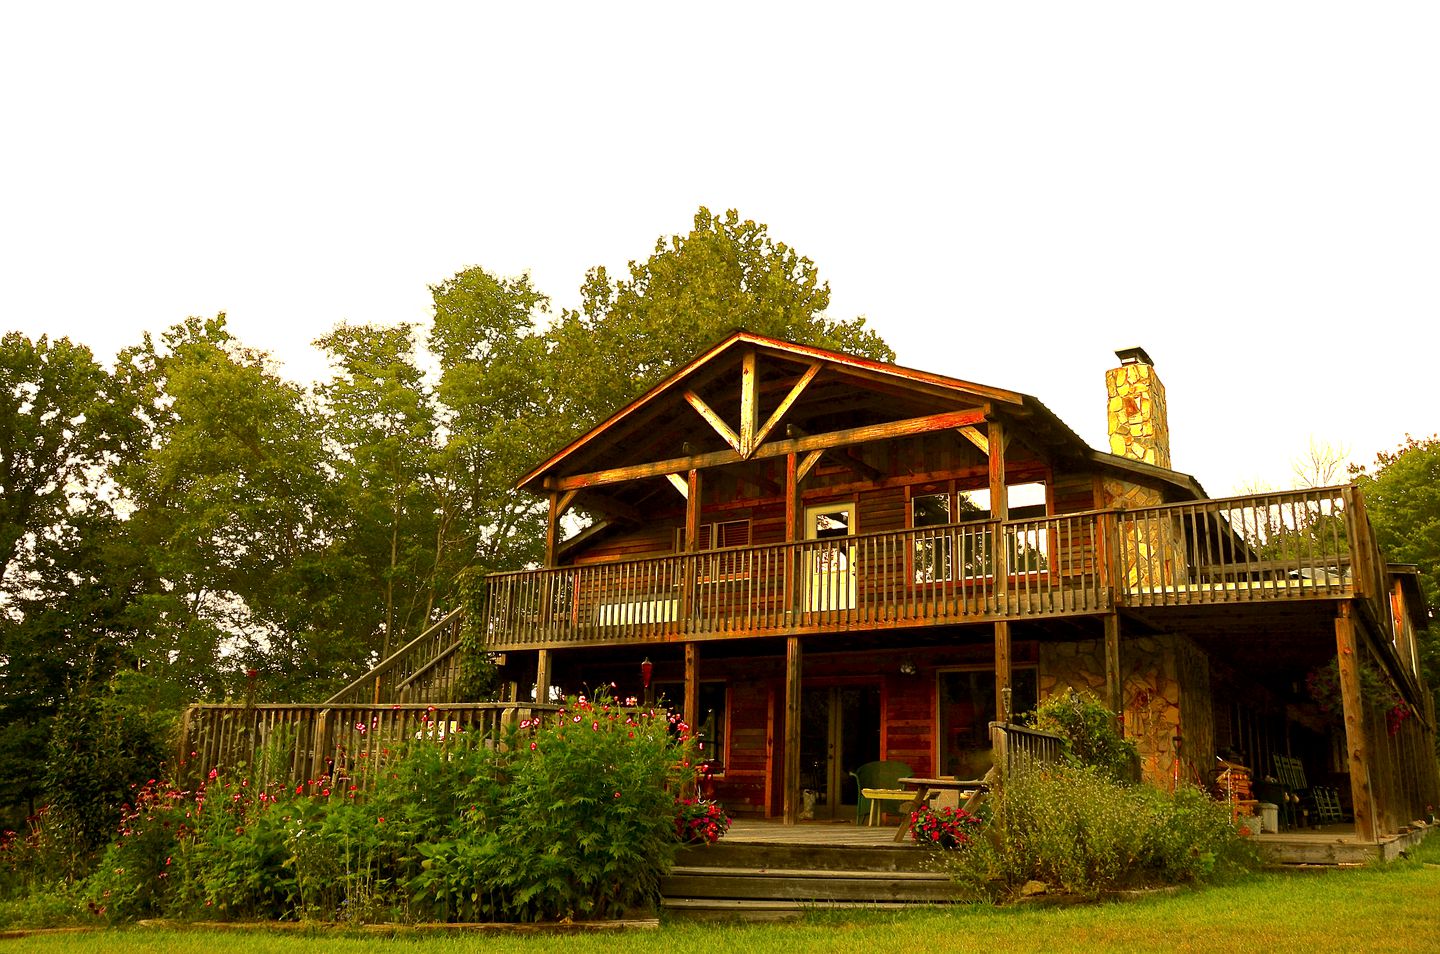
(899,857)
(722,909)
(826,886)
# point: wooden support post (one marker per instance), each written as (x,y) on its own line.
(770,767)
(552,528)
(1114,680)
(692,546)
(749,403)
(1357,745)
(999,513)
(692,512)
(792,529)
(542,676)
(1004,678)
(999,498)
(792,730)
(692,686)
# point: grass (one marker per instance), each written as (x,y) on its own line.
(1391,908)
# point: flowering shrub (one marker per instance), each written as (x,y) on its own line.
(570,815)
(700,821)
(945,827)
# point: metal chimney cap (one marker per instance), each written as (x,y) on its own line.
(1134,356)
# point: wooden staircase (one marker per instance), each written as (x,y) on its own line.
(423,670)
(771,881)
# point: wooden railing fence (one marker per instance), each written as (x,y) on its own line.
(1260,547)
(336,746)
(1019,749)
(879,580)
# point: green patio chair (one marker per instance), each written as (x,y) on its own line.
(876,775)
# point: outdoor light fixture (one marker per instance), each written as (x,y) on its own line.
(907,666)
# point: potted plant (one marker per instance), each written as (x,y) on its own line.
(946,827)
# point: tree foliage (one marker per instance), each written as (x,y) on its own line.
(189,516)
(725,274)
(1402,495)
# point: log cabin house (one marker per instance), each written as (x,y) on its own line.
(828,560)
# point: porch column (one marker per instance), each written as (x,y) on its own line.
(692,545)
(542,676)
(792,532)
(692,685)
(1357,745)
(999,513)
(1114,683)
(792,730)
(1004,677)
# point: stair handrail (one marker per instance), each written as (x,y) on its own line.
(380,668)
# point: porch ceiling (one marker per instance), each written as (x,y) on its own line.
(1256,637)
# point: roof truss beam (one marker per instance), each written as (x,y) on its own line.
(779,448)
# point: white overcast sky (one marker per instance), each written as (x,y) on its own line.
(1008,191)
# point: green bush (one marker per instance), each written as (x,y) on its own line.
(1081,831)
(1092,735)
(101,749)
(35,859)
(571,816)
(586,825)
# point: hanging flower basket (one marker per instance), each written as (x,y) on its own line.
(1323,684)
(700,821)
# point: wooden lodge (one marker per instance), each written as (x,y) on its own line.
(829,561)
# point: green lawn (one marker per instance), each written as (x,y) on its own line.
(1395,908)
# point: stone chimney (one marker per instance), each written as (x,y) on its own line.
(1136,410)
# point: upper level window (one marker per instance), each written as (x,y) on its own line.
(937,553)
(717,536)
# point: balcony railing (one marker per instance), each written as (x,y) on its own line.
(1295,545)
(926,576)
(1310,544)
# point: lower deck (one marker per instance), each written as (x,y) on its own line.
(1325,845)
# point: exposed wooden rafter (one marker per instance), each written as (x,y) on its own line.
(973,435)
(803,468)
(826,441)
(785,404)
(680,484)
(714,420)
(749,402)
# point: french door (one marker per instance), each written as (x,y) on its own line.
(839,731)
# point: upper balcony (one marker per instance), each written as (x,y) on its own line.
(1302,545)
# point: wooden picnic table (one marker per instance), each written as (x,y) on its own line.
(923,789)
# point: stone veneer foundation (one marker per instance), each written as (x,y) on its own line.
(1166,695)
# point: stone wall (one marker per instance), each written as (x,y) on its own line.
(1152,547)
(1138,426)
(1166,694)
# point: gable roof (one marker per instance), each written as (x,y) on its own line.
(808,389)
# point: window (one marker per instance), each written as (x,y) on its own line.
(933,551)
(711,730)
(717,536)
(942,554)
